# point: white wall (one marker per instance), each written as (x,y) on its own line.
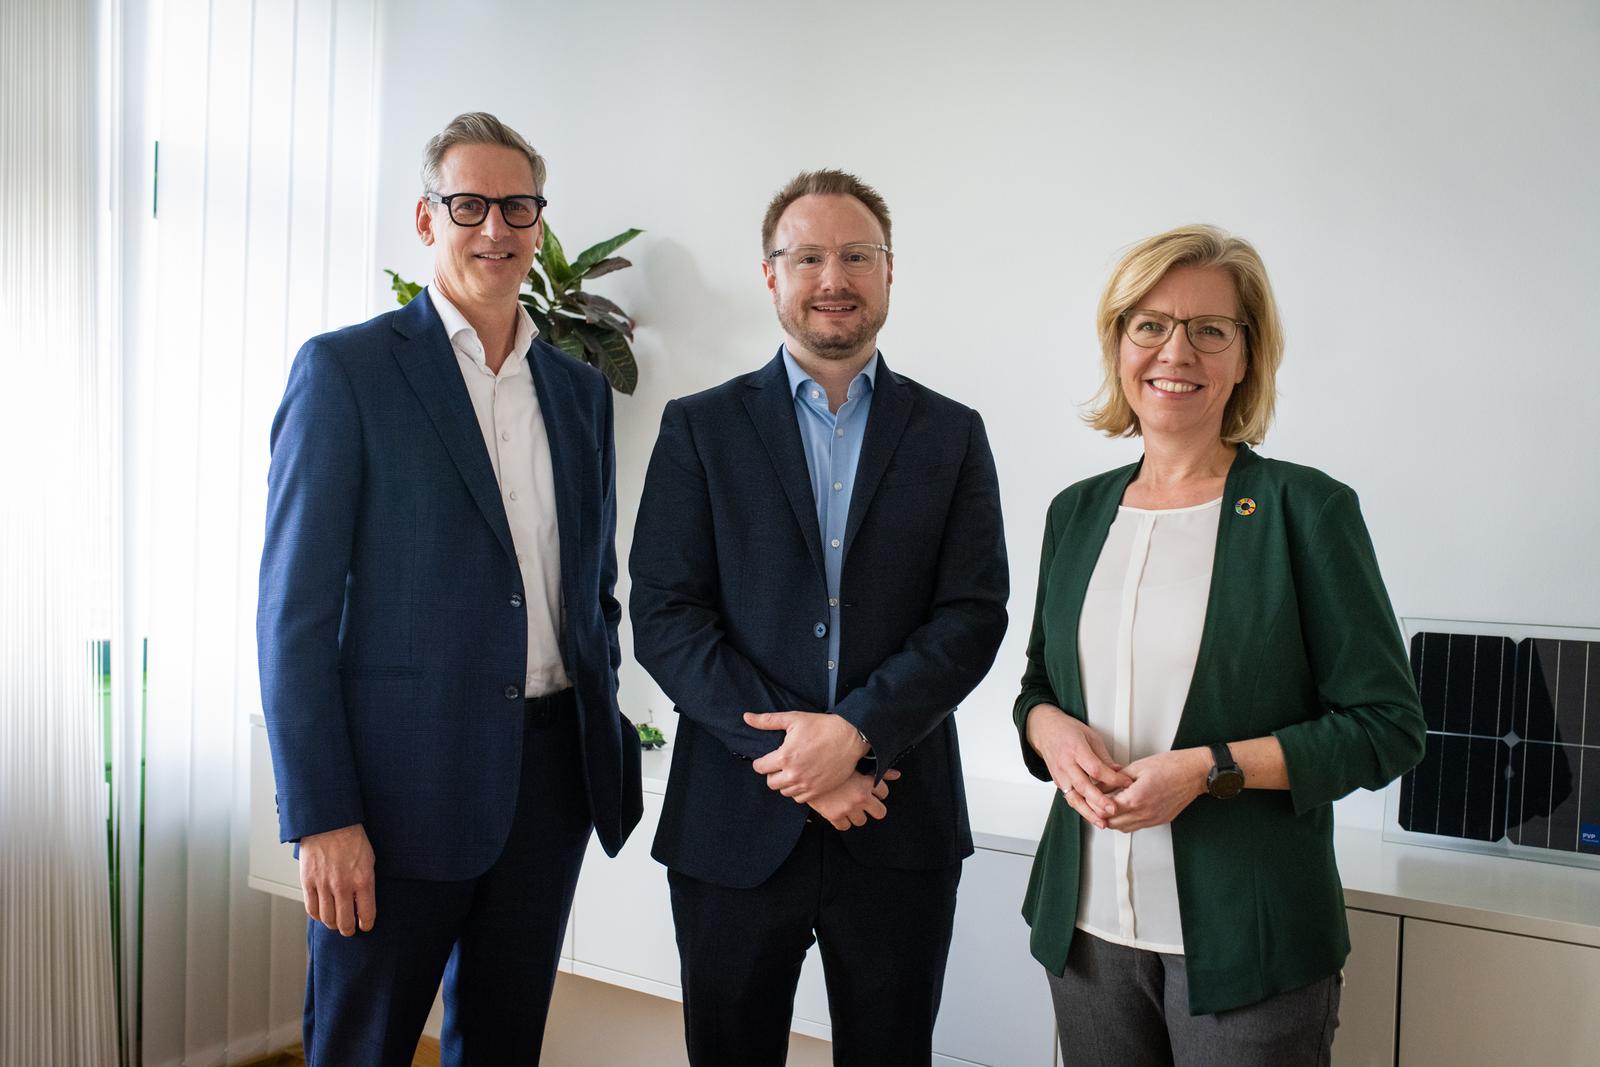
(1419,179)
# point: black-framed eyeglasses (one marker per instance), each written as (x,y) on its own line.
(858,258)
(470,209)
(1207,333)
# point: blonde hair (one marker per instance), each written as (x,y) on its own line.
(476,127)
(1249,410)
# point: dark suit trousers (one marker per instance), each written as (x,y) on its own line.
(495,939)
(884,936)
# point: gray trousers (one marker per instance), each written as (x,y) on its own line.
(1128,1007)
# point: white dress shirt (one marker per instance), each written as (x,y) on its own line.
(1138,638)
(508,413)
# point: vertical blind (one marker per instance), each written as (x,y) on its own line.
(57,1002)
(148,315)
(261,237)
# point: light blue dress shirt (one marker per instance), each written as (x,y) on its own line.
(832,443)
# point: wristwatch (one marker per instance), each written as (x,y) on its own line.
(1226,779)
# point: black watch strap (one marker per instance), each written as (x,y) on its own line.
(1226,778)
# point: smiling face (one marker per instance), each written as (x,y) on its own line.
(1176,391)
(831,315)
(480,267)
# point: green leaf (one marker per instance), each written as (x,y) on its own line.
(606,266)
(541,321)
(564,335)
(620,367)
(602,312)
(404,291)
(536,283)
(590,256)
(611,354)
(554,261)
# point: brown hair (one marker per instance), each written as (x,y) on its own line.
(823,183)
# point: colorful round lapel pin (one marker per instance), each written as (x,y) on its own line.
(1244,506)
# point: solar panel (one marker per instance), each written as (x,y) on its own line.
(1513,746)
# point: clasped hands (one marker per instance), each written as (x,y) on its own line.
(1146,792)
(816,764)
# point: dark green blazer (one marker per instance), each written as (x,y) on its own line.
(1299,642)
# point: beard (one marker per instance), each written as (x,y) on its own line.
(832,340)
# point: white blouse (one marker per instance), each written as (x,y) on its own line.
(1138,638)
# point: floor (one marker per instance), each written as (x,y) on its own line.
(595,1022)
(427,1056)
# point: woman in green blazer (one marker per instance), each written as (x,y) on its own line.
(1213,662)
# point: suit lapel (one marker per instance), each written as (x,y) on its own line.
(1209,658)
(886,423)
(429,364)
(557,407)
(1087,531)
(771,408)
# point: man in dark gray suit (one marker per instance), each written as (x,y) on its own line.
(819,577)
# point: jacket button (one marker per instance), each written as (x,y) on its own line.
(516,600)
(820,629)
(512,692)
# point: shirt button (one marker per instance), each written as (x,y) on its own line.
(837,486)
(834,542)
(833,602)
(831,664)
(516,600)
(820,629)
(512,692)
(513,494)
(505,435)
(839,432)
(815,395)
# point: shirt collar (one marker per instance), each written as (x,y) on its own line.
(798,378)
(456,325)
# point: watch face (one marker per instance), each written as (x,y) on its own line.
(1223,784)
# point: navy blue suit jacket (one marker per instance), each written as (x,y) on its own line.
(728,589)
(391,632)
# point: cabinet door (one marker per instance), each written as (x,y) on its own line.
(1475,996)
(996,1007)
(1365,1037)
(811,999)
(272,863)
(622,914)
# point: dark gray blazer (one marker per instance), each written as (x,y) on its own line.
(728,589)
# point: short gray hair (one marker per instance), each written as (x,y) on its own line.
(476,127)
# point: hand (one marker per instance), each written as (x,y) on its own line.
(819,752)
(336,875)
(1163,785)
(1079,762)
(852,803)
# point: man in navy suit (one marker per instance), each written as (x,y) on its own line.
(819,577)
(438,636)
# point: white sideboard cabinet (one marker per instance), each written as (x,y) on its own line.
(1456,959)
